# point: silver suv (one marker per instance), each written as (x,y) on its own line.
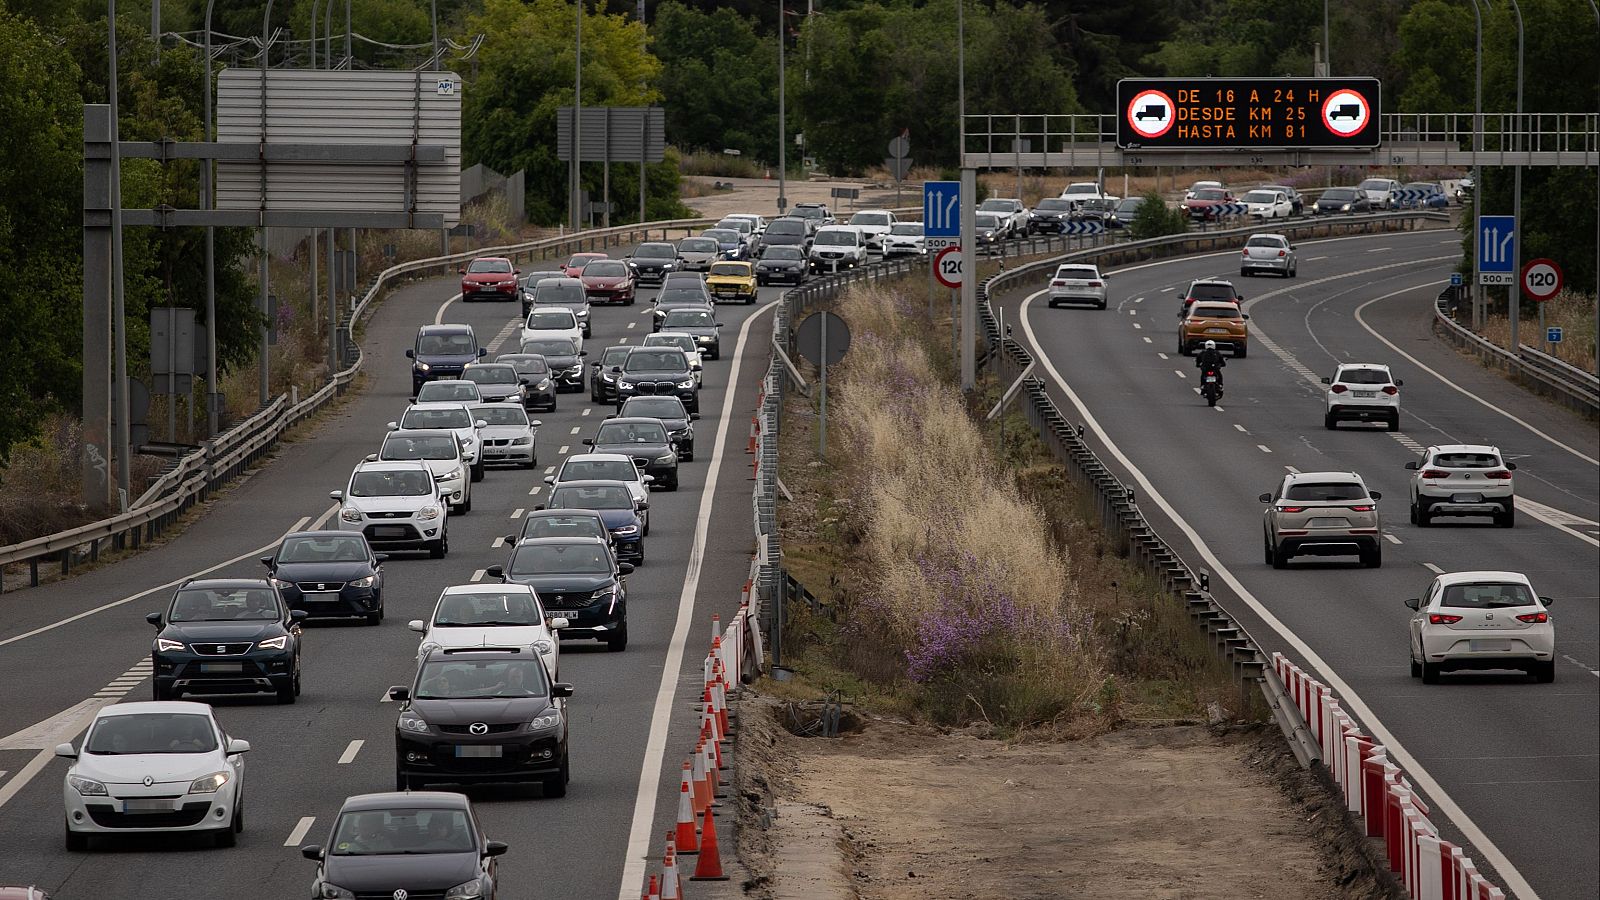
(1322,514)
(1463,480)
(397,506)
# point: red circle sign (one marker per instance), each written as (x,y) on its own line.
(947,266)
(1541,279)
(1150,114)
(1346,112)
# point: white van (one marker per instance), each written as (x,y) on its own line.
(837,247)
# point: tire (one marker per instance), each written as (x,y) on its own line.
(375,617)
(238,817)
(286,694)
(1244,273)
(76,841)
(1424,517)
(556,785)
(1266,552)
(1280,559)
(1507,519)
(477,475)
(1211,400)
(1413,512)
(1101,305)
(226,838)
(1242,352)
(157,693)
(1372,559)
(618,641)
(1430,673)
(1543,672)
(628,302)
(1183,348)
(1394,422)
(1329,422)
(436,549)
(1416,667)
(466,505)
(644,528)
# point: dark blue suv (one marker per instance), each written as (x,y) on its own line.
(442,351)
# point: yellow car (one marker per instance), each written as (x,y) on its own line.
(1214,321)
(732,281)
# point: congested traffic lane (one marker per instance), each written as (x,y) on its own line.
(305,757)
(1510,753)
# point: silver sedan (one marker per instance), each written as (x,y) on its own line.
(1269,253)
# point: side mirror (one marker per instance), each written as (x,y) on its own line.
(480,424)
(697,367)
(400,693)
(540,506)
(1511,467)
(1244,315)
(1547,601)
(298,615)
(495,571)
(1265,498)
(417,625)
(1413,603)
(559,622)
(719,324)
(266,561)
(694,417)
(516,272)
(311,852)
(535,423)
(336,495)
(549,479)
(153,619)
(496,848)
(482,352)
(1376,495)
(237,746)
(1399,382)
(583,353)
(65,751)
(1327,381)
(643,506)
(616,370)
(625,568)
(380,558)
(461,270)
(394,426)
(1413,465)
(561,689)
(648,479)
(411,354)
(588,442)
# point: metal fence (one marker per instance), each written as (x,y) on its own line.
(1533,369)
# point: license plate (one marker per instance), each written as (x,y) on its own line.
(1366,394)
(222,667)
(1211,379)
(1488,646)
(388,531)
(1328,522)
(490,750)
(322,597)
(147,806)
(1466,498)
(1216,331)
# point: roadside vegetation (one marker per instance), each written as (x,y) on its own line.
(1572,311)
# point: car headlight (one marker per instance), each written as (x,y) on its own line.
(686,384)
(583,314)
(423,367)
(209,784)
(1345,208)
(334,892)
(410,721)
(544,384)
(626,531)
(521,441)
(349,515)
(428,513)
(368,581)
(667,457)
(703,338)
(87,787)
(274,643)
(666,265)
(451,475)
(605,593)
(543,647)
(468,890)
(426,648)
(163,644)
(548,720)
(280,583)
(607,378)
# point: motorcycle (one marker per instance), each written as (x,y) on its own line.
(1211,386)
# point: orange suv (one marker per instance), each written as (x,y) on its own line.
(1214,321)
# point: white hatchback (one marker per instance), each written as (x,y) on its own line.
(905,238)
(1482,620)
(164,766)
(1463,480)
(1078,283)
(1364,392)
(491,615)
(607,467)
(553,322)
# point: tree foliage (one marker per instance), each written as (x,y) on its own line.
(1155,219)
(722,77)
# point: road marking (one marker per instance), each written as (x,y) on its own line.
(1137,325)
(1179,373)
(386,698)
(631,324)
(1133,312)
(350,752)
(1138,299)
(644,803)
(1219,409)
(1160,354)
(1377,249)
(438,317)
(477,575)
(517,513)
(1557,519)
(575,429)
(534,490)
(1316,258)
(1591,671)
(586,411)
(1240,428)
(3,771)
(1263,448)
(1351,700)
(1168,290)
(1390,538)
(299,832)
(1148,341)
(622,340)
(563,450)
(548,470)
(498,542)
(1291,469)
(1433,568)
(499,339)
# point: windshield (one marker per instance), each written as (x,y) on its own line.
(446,345)
(810,212)
(1215,311)
(870,218)
(1129,205)
(1467,461)
(151,733)
(655,408)
(1262,241)
(445,391)
(1076,272)
(1211,292)
(598,470)
(489,265)
(791,253)
(404,831)
(561,559)
(490,375)
(1083,187)
(986,220)
(688,318)
(391,484)
(1099,203)
(631,433)
(733,270)
(501,414)
(1487,596)
(1339,194)
(332,547)
(614,356)
(836,238)
(681,295)
(996,206)
(723,235)
(1328,491)
(224,605)
(1053,204)
(681,341)
(656,361)
(1209,194)
(552,320)
(655,251)
(537,526)
(1362,376)
(487,608)
(579,260)
(740,225)
(697,245)
(550,347)
(906,228)
(605,268)
(452,417)
(1374,184)
(558,291)
(528,365)
(596,497)
(465,678)
(786,226)
(1260,197)
(422,446)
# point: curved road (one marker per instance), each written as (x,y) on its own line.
(1512,762)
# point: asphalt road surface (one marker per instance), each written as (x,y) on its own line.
(1514,763)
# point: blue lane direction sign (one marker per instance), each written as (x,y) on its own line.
(1497,245)
(1455,279)
(941,209)
(1553,334)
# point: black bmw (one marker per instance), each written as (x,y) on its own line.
(643,440)
(678,421)
(226,636)
(329,574)
(578,578)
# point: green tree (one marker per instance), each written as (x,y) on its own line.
(721,78)
(1155,219)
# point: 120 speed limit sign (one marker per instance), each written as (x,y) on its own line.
(947,266)
(1541,279)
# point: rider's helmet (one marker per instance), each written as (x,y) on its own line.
(1211,345)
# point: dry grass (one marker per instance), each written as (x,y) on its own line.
(718,164)
(1572,311)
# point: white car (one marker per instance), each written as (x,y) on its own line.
(837,247)
(758,224)
(507,434)
(441,450)
(164,766)
(683,341)
(1199,186)
(553,322)
(1482,620)
(449,390)
(1078,283)
(1268,253)
(1265,204)
(608,467)
(1079,191)
(905,239)
(491,615)
(873,224)
(1380,191)
(1011,212)
(1365,392)
(397,505)
(1463,480)
(455,416)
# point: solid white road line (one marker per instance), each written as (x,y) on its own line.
(438,317)
(1352,701)
(299,832)
(1433,568)
(644,804)
(477,575)
(350,752)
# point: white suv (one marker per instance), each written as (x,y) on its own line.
(1463,480)
(837,247)
(1011,212)
(442,452)
(491,615)
(455,416)
(1365,392)
(1078,283)
(1079,191)
(1482,620)
(397,505)
(873,224)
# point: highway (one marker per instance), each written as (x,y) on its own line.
(1513,762)
(66,648)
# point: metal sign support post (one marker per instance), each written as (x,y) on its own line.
(97,227)
(822,369)
(119,320)
(969,283)
(783,198)
(1515,296)
(333,308)
(576,175)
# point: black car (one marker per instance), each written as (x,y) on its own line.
(497,382)
(785,231)
(329,574)
(657,370)
(542,523)
(602,381)
(482,714)
(670,412)
(531,282)
(578,578)
(643,440)
(538,382)
(651,262)
(1342,200)
(702,323)
(564,357)
(1050,216)
(417,844)
(226,636)
(614,502)
(670,298)
(442,351)
(781,263)
(1127,210)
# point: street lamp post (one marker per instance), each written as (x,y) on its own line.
(1477,171)
(213,399)
(575,168)
(1516,195)
(119,319)
(783,199)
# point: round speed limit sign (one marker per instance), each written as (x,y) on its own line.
(1541,279)
(947,266)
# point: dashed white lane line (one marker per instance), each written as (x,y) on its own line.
(1377,249)
(1168,290)
(533,491)
(1315,258)
(498,542)
(1433,568)
(1137,325)
(1160,354)
(349,754)
(575,429)
(1218,409)
(1179,373)
(1133,312)
(549,470)
(564,449)
(1148,341)
(1291,469)
(1138,299)
(1239,428)
(1263,448)
(301,828)
(1390,538)
(622,340)
(386,698)
(586,411)
(517,513)
(631,324)
(477,575)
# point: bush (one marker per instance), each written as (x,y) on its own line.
(1155,219)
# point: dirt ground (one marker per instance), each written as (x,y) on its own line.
(896,811)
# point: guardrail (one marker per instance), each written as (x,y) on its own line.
(1538,372)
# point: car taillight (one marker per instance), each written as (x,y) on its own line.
(1339,389)
(1390,389)
(1058,284)
(1534,618)
(1094,284)
(1442,619)
(1245,252)
(1434,473)
(1291,509)
(1368,508)
(1280,254)
(1501,475)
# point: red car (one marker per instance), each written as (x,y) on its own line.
(608,281)
(1203,204)
(489,278)
(574,266)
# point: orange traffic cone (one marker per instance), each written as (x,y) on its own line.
(685,837)
(653,890)
(713,771)
(708,734)
(755,431)
(691,774)
(709,866)
(670,887)
(702,781)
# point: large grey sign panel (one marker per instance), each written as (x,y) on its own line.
(309,106)
(614,133)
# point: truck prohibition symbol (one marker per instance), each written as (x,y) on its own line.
(1157,111)
(1346,111)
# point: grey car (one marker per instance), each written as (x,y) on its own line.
(781,263)
(564,357)
(671,298)
(1322,514)
(698,253)
(530,282)
(787,231)
(496,382)
(567,292)
(538,382)
(1269,253)
(700,322)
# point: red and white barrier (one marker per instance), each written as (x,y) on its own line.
(1381,798)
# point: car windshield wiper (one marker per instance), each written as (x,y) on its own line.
(502,623)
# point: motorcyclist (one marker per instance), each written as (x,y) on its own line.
(1210,360)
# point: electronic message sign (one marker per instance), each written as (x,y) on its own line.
(1248,113)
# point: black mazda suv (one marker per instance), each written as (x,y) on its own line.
(226,636)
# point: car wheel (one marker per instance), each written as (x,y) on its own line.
(374,617)
(1413,512)
(618,641)
(238,816)
(465,506)
(1416,667)
(1183,348)
(1430,673)
(157,692)
(1394,422)
(688,456)
(477,471)
(1329,422)
(436,549)
(673,485)
(226,838)
(1424,517)
(1241,352)
(1373,558)
(286,694)
(1508,518)
(76,841)
(556,785)
(1544,672)
(1280,558)
(1101,305)
(1266,551)
(1244,273)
